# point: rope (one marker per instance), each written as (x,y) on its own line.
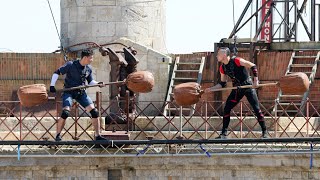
(55,24)
(54,21)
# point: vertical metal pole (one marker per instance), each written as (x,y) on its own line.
(127,108)
(20,120)
(257,16)
(168,115)
(251,51)
(318,21)
(287,21)
(57,115)
(99,102)
(180,121)
(308,103)
(206,118)
(275,116)
(313,20)
(76,121)
(240,19)
(295,21)
(241,119)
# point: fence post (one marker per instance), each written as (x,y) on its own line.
(76,121)
(127,106)
(180,115)
(20,120)
(276,117)
(206,118)
(169,117)
(308,118)
(98,102)
(241,119)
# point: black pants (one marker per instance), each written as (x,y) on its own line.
(234,98)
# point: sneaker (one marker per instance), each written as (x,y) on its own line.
(265,134)
(100,138)
(58,137)
(222,136)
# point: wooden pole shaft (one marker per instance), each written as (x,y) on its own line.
(88,86)
(245,86)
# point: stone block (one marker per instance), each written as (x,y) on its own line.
(104,2)
(121,29)
(64,30)
(103,173)
(84,3)
(92,14)
(77,14)
(99,28)
(72,32)
(111,29)
(65,15)
(83,29)
(121,2)
(68,3)
(109,13)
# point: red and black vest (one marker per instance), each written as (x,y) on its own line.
(238,74)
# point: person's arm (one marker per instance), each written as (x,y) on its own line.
(54,79)
(91,81)
(221,84)
(62,70)
(253,68)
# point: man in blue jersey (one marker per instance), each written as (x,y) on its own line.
(77,73)
(236,69)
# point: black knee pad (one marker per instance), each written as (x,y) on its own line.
(65,114)
(94,113)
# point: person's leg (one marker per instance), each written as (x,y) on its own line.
(66,103)
(85,101)
(233,99)
(62,120)
(254,102)
(94,118)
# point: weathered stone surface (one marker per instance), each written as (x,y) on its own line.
(174,167)
(104,21)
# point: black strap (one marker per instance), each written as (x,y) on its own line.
(82,73)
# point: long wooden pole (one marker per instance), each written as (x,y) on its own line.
(245,86)
(88,86)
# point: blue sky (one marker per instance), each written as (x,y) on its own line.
(192,25)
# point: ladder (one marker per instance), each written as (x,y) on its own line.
(300,61)
(182,72)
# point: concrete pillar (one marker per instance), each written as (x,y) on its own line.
(102,21)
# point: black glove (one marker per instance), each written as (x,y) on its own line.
(53,89)
(101,84)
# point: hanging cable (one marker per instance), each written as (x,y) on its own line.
(54,21)
(55,24)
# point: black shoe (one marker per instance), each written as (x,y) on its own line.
(58,137)
(222,136)
(100,138)
(265,134)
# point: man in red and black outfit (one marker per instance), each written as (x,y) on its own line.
(235,68)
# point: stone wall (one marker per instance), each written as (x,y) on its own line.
(149,60)
(291,166)
(103,21)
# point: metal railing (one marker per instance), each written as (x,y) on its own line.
(148,121)
(29,130)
